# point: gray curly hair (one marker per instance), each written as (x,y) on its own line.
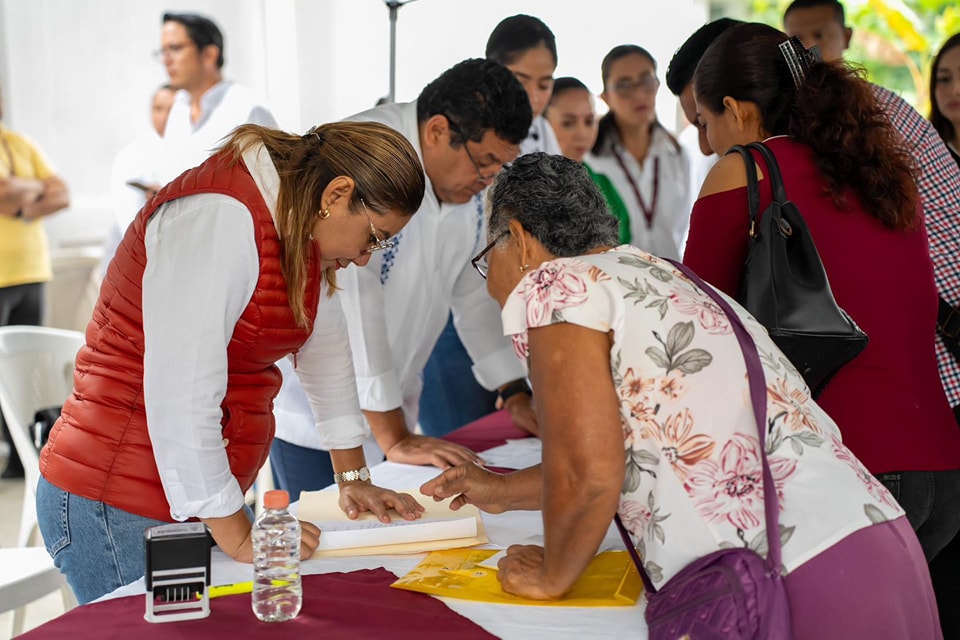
(554,200)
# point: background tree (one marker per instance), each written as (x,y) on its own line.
(894,40)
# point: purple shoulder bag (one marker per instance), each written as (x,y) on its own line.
(731,593)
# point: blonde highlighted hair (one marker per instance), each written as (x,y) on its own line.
(382,163)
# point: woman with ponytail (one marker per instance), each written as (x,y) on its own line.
(844,166)
(226,270)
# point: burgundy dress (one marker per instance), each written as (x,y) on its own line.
(888,402)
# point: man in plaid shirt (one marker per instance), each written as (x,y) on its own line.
(938,181)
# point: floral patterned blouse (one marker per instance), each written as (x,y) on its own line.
(693,481)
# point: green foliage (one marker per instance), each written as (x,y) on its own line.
(894,40)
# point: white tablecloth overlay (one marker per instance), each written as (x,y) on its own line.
(505,621)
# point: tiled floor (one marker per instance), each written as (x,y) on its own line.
(11,501)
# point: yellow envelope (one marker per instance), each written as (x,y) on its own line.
(611,580)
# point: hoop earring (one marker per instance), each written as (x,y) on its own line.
(324,214)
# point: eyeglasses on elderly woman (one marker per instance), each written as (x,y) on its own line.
(479,261)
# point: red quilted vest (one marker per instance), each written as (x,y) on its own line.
(100,448)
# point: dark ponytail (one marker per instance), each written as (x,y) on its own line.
(834,112)
(854,144)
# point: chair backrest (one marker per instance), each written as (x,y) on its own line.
(72,294)
(36,372)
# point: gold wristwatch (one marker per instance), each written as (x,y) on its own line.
(362,474)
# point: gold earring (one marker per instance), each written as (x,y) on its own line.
(324,214)
(524,267)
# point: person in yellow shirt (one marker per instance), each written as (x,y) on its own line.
(29,190)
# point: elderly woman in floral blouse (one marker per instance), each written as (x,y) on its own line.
(641,390)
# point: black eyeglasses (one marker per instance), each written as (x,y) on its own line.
(481,177)
(478,261)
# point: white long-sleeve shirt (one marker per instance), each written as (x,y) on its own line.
(225,106)
(540,138)
(667,233)
(398,304)
(202,268)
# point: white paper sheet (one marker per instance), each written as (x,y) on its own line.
(354,535)
(515,454)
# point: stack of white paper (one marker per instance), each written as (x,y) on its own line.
(439,527)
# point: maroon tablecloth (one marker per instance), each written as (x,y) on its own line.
(358,605)
(355,605)
(487,432)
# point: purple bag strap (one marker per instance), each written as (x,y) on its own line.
(758,396)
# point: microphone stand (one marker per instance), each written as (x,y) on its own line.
(393,6)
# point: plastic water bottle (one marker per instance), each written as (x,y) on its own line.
(277,591)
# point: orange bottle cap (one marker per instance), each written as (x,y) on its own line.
(276,499)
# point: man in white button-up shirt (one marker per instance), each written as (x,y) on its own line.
(206,107)
(465,126)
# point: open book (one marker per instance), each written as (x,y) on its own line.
(438,528)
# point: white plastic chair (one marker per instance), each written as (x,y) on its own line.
(27,574)
(36,372)
(72,294)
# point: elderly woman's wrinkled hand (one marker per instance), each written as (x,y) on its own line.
(357,497)
(521,572)
(471,484)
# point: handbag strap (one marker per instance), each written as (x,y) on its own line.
(773,171)
(758,397)
(753,187)
(948,327)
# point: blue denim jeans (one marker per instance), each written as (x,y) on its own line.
(297,468)
(97,547)
(451,396)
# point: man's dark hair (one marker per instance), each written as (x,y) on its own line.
(202,31)
(476,95)
(516,35)
(813,4)
(687,57)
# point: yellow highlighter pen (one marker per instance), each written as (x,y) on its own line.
(236,588)
(230,589)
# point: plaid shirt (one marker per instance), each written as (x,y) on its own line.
(939,186)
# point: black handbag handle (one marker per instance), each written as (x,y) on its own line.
(773,171)
(753,187)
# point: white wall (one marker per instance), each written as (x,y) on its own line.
(432,35)
(77,75)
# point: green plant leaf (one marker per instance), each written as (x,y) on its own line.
(679,337)
(658,356)
(692,361)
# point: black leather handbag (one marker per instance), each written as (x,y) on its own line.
(785,286)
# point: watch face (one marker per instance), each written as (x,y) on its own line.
(364,474)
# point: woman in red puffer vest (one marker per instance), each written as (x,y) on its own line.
(221,274)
